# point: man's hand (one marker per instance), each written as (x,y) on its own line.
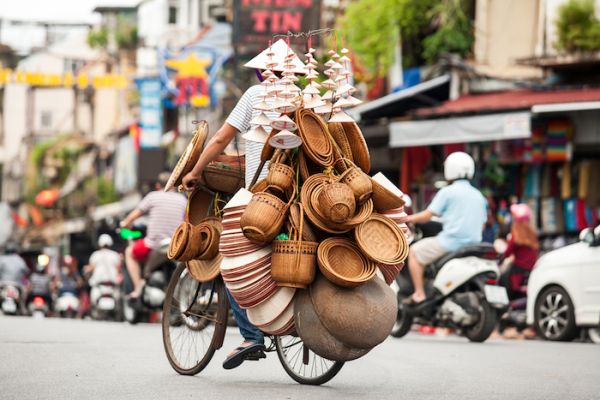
(190,181)
(125,224)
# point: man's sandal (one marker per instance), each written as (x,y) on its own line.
(254,352)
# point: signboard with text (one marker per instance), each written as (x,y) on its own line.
(256,21)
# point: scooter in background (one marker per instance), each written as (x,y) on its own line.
(67,305)
(106,302)
(10,299)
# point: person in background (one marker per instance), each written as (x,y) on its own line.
(463,211)
(165,210)
(521,252)
(103,266)
(69,279)
(13,269)
(40,284)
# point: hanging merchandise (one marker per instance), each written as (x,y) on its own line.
(532,181)
(592,197)
(534,205)
(570,215)
(559,134)
(549,216)
(565,187)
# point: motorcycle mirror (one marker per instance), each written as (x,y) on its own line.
(129,234)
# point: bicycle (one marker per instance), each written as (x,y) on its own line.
(198,311)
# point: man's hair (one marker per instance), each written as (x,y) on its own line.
(162,179)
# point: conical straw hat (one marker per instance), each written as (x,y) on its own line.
(279,51)
(256,134)
(285,140)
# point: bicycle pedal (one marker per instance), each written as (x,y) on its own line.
(255,356)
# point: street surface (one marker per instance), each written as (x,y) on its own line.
(70,359)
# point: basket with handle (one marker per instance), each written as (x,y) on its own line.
(357,180)
(294,261)
(226,174)
(336,201)
(281,176)
(264,216)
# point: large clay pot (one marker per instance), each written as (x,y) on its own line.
(361,317)
(314,334)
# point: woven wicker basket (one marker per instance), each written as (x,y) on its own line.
(281,176)
(360,150)
(358,181)
(179,241)
(336,202)
(315,137)
(294,261)
(205,271)
(381,240)
(296,213)
(383,199)
(264,217)
(337,132)
(226,174)
(342,262)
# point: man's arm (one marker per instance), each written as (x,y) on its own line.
(135,214)
(214,147)
(420,217)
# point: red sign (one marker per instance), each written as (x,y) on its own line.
(256,21)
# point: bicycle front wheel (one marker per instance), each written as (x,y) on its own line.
(194,321)
(302,365)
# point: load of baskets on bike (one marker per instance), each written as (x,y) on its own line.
(307,248)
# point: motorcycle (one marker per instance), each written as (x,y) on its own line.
(462,291)
(157,272)
(105,301)
(10,299)
(67,305)
(38,307)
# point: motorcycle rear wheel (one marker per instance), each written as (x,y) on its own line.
(193,321)
(488,317)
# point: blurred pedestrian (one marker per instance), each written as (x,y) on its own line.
(104,266)
(13,269)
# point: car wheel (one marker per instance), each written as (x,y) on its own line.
(555,315)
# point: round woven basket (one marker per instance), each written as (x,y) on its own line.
(210,238)
(205,270)
(259,186)
(280,176)
(364,211)
(336,202)
(294,261)
(264,217)
(342,263)
(381,240)
(358,182)
(189,157)
(225,176)
(383,198)
(337,132)
(179,241)
(316,141)
(198,206)
(360,150)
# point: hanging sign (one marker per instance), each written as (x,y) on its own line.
(256,21)
(82,81)
(151,119)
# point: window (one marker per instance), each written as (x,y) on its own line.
(173,11)
(46,119)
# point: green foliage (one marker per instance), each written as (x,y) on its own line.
(104,189)
(455,32)
(98,38)
(577,27)
(373,29)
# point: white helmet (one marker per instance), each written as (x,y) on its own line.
(459,165)
(105,240)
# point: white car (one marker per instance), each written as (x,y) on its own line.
(564,290)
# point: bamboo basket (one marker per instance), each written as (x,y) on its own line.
(280,176)
(381,240)
(179,241)
(358,181)
(264,217)
(342,263)
(315,137)
(294,261)
(336,202)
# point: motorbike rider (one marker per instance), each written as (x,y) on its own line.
(103,265)
(239,122)
(13,269)
(40,284)
(463,211)
(521,252)
(69,280)
(165,210)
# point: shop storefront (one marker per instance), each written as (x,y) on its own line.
(541,148)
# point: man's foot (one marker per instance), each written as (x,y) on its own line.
(247,351)
(413,300)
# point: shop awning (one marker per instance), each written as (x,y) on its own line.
(511,101)
(426,94)
(482,128)
(563,107)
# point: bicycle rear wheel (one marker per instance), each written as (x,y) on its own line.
(194,321)
(302,365)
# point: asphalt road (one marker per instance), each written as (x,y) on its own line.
(68,359)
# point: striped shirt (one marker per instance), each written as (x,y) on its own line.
(165,212)
(240,119)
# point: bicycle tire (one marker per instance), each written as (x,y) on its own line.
(329,373)
(172,319)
